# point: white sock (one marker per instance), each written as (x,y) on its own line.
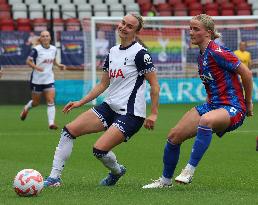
(28,105)
(51,112)
(62,153)
(166,180)
(109,161)
(190,167)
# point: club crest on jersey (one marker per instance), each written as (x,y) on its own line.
(116,73)
(218,50)
(147,59)
(206,77)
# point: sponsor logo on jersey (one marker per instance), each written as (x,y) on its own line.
(116,73)
(48,61)
(206,77)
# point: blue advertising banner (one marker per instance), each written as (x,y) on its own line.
(178,90)
(13,47)
(72,48)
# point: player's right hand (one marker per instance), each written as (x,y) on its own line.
(39,69)
(71,105)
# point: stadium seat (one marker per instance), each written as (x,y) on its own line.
(244,12)
(84,11)
(133,7)
(165,13)
(28,2)
(227,6)
(117,13)
(110,2)
(227,12)
(163,7)
(63,2)
(72,24)
(244,6)
(127,2)
(56,11)
(211,6)
(58,24)
(180,9)
(68,11)
(47,2)
(145,7)
(156,2)
(19,11)
(212,12)
(79,2)
(7,25)
(116,9)
(140,2)
(100,10)
(36,11)
(173,2)
(95,2)
(12,2)
(39,24)
(195,12)
(5,11)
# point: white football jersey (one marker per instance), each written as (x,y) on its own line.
(126,68)
(43,58)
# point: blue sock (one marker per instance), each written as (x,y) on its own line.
(201,144)
(170,159)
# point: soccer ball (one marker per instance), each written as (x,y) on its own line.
(28,182)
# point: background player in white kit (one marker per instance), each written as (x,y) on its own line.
(122,113)
(41,60)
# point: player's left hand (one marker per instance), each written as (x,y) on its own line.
(150,121)
(250,107)
(62,67)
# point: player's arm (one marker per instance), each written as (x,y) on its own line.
(151,77)
(30,60)
(94,93)
(247,81)
(59,65)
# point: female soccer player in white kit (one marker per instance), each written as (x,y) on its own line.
(41,60)
(122,113)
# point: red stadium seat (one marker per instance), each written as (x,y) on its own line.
(195,12)
(244,6)
(243,12)
(227,12)
(40,24)
(227,6)
(173,2)
(189,2)
(140,2)
(145,7)
(211,6)
(163,7)
(72,24)
(212,12)
(7,25)
(195,6)
(165,13)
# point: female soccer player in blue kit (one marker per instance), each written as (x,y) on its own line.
(122,113)
(224,110)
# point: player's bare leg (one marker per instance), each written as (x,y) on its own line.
(35,100)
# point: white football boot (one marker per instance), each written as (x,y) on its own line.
(185,177)
(159,183)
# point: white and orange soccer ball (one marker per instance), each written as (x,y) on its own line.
(28,182)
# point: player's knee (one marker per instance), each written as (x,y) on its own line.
(99,153)
(174,136)
(205,121)
(35,103)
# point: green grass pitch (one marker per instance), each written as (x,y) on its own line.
(227,174)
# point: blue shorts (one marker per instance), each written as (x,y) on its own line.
(236,116)
(128,124)
(39,88)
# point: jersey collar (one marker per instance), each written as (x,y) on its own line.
(124,48)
